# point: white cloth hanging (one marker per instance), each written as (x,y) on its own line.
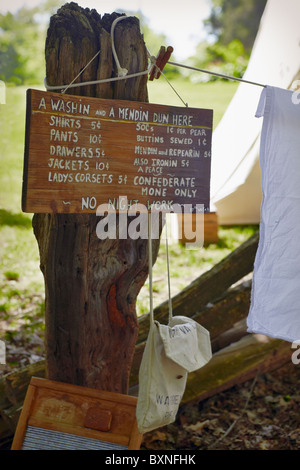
(275,298)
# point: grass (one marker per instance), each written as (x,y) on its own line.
(21,282)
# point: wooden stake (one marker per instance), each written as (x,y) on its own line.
(91,285)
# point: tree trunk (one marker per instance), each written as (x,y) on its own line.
(91,285)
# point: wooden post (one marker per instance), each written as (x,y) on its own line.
(91,285)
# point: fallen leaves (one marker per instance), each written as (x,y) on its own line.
(271,420)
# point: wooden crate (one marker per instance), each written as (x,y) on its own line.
(59,416)
(187,224)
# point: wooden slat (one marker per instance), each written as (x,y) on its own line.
(241,361)
(63,408)
(83,391)
(23,420)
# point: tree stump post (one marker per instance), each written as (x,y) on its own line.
(91,285)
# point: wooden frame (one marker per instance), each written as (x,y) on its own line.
(59,416)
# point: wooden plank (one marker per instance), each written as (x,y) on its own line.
(66,408)
(14,385)
(235,364)
(92,393)
(229,309)
(22,423)
(189,223)
(81,152)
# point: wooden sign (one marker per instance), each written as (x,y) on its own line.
(82,152)
(59,416)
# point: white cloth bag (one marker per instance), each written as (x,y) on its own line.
(171,352)
(161,384)
(186,342)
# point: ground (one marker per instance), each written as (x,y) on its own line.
(271,419)
(261,414)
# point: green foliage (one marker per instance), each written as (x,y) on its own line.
(11,275)
(233,25)
(230,53)
(22,40)
(11,219)
(231,59)
(235,19)
(20,46)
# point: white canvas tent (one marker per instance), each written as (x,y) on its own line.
(275,61)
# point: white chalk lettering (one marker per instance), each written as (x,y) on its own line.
(60,177)
(145,150)
(70,107)
(191,153)
(150,139)
(61,121)
(128,114)
(140,161)
(73,165)
(181,141)
(163,163)
(161,118)
(187,182)
(182,120)
(42,104)
(78,152)
(63,136)
(197,132)
(88,203)
(157,192)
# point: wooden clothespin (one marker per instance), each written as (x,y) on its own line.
(160,61)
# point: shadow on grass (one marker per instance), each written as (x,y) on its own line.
(13,220)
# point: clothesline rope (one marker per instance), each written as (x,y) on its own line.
(170,84)
(168,271)
(145,72)
(92,82)
(222,75)
(81,71)
(123,73)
